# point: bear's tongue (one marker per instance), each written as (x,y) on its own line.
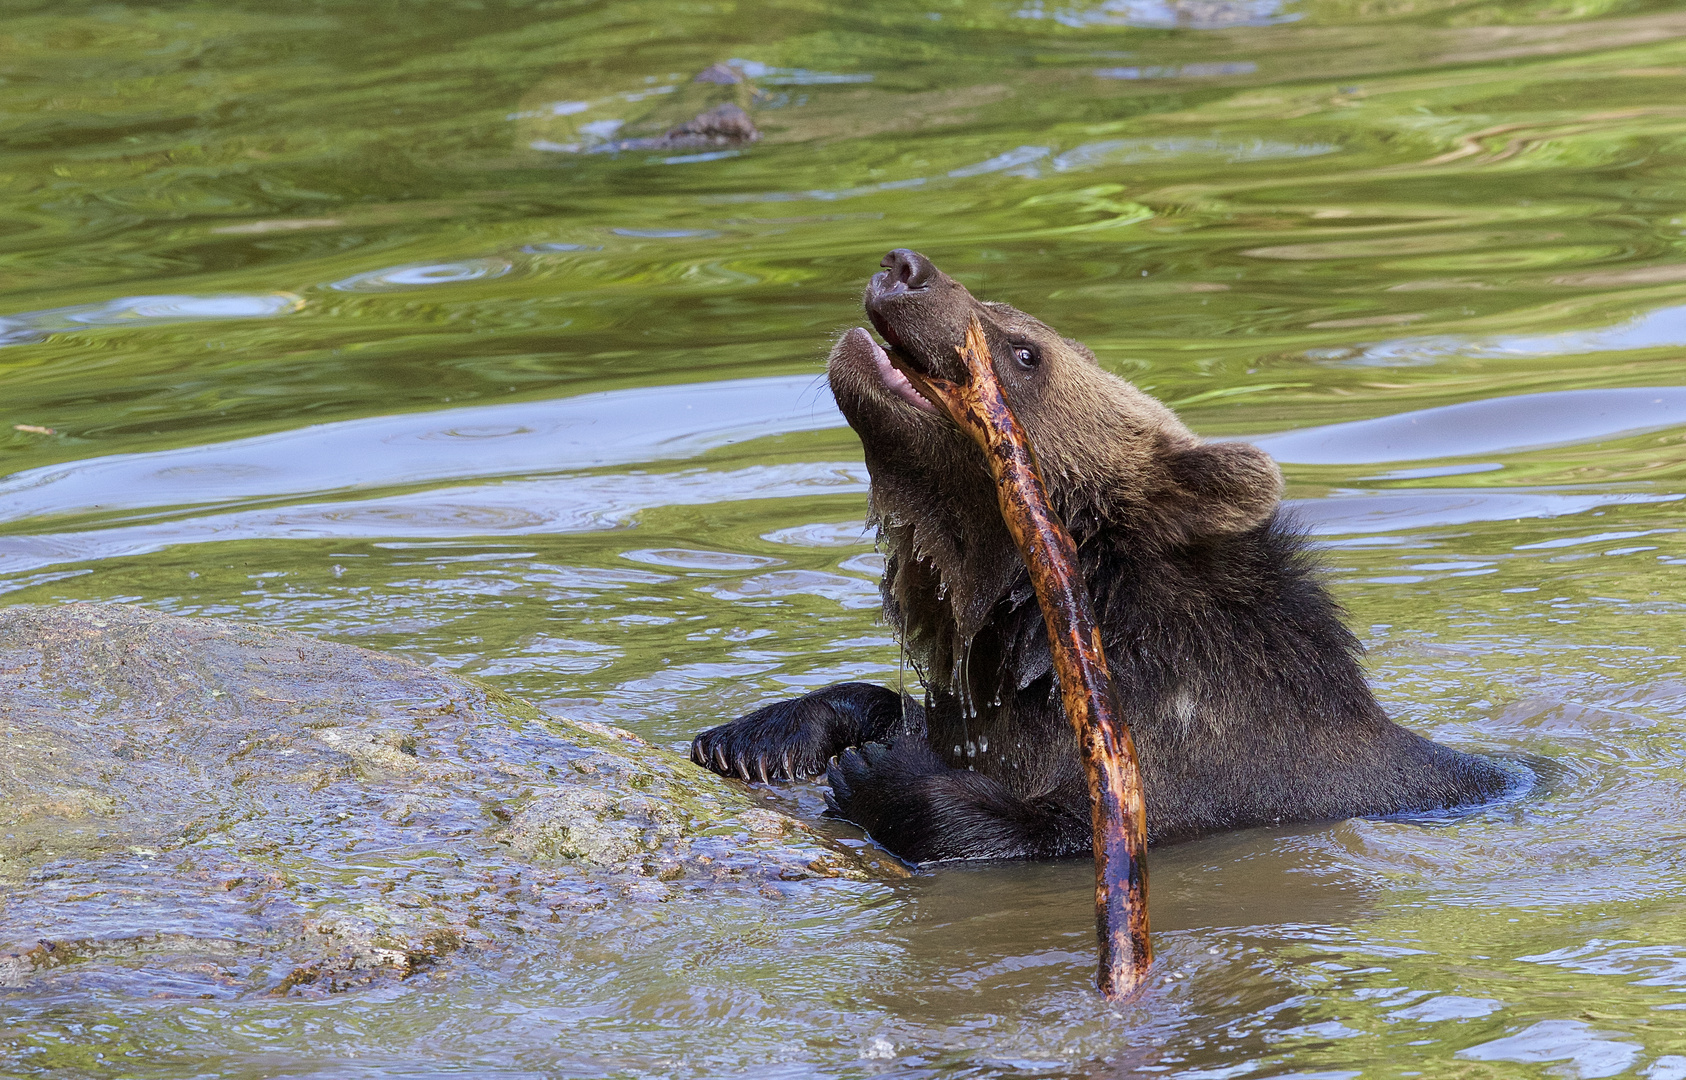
(893,379)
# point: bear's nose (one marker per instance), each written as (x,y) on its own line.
(908,268)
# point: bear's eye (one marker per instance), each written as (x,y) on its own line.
(1026,356)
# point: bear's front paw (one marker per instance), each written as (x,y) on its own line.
(792,740)
(731,751)
(856,794)
(789,740)
(923,811)
(882,788)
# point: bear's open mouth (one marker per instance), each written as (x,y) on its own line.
(891,376)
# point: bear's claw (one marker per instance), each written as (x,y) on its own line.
(791,740)
(724,752)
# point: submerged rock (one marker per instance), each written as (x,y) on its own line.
(722,126)
(709,112)
(195,807)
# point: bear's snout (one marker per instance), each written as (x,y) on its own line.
(907,269)
(921,312)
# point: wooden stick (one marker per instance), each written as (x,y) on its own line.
(979,407)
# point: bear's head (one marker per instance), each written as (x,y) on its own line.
(1119,466)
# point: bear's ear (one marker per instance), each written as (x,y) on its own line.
(1218,488)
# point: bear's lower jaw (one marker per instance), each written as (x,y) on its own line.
(858,343)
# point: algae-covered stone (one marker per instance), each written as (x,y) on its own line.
(707,112)
(191,806)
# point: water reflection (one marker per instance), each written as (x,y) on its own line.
(1448,1007)
(1185,71)
(592,430)
(422,274)
(529,443)
(665,234)
(665,423)
(1136,151)
(1588,1052)
(1662,328)
(1012,160)
(830,534)
(566,504)
(1351,511)
(133,311)
(1193,14)
(692,559)
(1492,426)
(779,76)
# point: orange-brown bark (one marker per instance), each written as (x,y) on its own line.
(979,406)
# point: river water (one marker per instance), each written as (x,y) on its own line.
(313,319)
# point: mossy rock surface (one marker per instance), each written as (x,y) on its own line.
(196,807)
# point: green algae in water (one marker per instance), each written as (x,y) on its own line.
(335,232)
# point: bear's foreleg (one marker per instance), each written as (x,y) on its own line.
(793,740)
(924,811)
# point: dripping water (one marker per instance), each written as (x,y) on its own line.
(966,707)
(901,681)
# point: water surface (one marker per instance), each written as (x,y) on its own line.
(309,318)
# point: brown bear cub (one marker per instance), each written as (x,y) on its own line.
(1239,680)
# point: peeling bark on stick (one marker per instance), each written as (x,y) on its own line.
(980,408)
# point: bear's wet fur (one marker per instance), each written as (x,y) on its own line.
(1239,679)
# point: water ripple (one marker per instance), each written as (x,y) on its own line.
(1661,328)
(134,311)
(1137,151)
(419,275)
(616,427)
(567,504)
(1490,426)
